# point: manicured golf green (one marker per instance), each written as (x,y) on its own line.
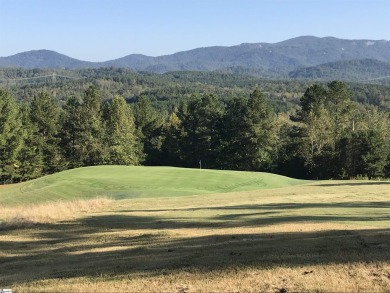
(120,182)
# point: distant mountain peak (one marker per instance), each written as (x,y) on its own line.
(42,58)
(281,57)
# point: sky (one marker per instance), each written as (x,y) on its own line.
(101,30)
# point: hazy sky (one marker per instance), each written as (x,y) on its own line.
(99,30)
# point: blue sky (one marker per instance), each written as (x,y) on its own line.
(99,30)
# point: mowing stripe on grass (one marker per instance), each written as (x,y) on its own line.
(120,182)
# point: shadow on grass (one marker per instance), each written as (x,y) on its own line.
(369,183)
(87,249)
(279,206)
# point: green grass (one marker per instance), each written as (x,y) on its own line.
(122,182)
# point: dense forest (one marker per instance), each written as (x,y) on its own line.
(362,69)
(56,120)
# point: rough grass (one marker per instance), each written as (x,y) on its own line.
(29,215)
(318,237)
(332,278)
(119,182)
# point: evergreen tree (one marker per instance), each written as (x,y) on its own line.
(248,134)
(11,137)
(263,136)
(375,143)
(235,136)
(312,101)
(30,157)
(290,161)
(122,143)
(200,139)
(91,150)
(149,130)
(374,154)
(339,103)
(171,148)
(44,115)
(72,132)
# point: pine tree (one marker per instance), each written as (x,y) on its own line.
(44,115)
(339,103)
(290,161)
(149,130)
(30,156)
(248,134)
(171,148)
(375,142)
(262,132)
(123,146)
(71,132)
(11,137)
(312,101)
(235,136)
(200,138)
(91,144)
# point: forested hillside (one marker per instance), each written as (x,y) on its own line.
(56,120)
(167,90)
(275,60)
(357,70)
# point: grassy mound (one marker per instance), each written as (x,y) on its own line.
(121,182)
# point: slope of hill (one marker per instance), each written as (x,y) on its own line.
(353,70)
(44,59)
(281,57)
(121,182)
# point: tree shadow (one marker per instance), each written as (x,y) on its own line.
(276,206)
(87,247)
(369,183)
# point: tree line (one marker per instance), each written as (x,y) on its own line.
(166,91)
(329,136)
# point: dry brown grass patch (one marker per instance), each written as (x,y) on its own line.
(358,277)
(29,215)
(314,238)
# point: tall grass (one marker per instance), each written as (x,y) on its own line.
(29,215)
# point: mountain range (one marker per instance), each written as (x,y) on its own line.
(301,57)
